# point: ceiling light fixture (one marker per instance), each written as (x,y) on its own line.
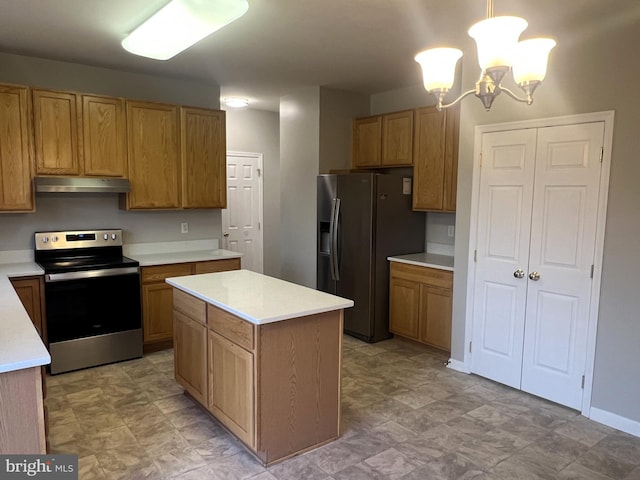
(236,102)
(498,52)
(180,24)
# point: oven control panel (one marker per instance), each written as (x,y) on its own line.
(78,239)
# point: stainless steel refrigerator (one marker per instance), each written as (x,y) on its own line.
(363,218)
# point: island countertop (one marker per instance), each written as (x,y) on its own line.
(258,298)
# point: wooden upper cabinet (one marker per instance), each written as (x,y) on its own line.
(104,135)
(16,190)
(56,133)
(203,136)
(154,155)
(435,159)
(367,133)
(397,139)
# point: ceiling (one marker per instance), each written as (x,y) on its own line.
(364,46)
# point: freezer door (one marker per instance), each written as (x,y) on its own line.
(325,231)
(355,247)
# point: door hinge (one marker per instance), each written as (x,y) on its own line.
(475,255)
(480,159)
(582,385)
(470,344)
(601,154)
(259,171)
(592,268)
(259,226)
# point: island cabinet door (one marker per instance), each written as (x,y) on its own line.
(231,387)
(190,356)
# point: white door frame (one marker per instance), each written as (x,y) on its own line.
(259,157)
(607,118)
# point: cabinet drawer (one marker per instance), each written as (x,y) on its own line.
(426,275)
(231,327)
(191,306)
(161,272)
(213,266)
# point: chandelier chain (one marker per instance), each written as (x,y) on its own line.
(489,8)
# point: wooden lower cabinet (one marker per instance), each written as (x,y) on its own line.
(190,355)
(231,380)
(157,297)
(420,303)
(30,290)
(275,386)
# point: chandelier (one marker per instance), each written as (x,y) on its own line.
(498,53)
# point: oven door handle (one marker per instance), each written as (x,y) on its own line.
(105,272)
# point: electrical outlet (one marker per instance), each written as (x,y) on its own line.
(451,231)
(184,227)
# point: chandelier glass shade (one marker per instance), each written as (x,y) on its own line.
(499,52)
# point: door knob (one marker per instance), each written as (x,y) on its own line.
(519,273)
(225,234)
(535,276)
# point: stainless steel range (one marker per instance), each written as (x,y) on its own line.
(92,295)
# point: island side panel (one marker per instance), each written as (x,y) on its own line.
(22,428)
(299,384)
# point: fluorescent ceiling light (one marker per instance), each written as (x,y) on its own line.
(236,102)
(180,24)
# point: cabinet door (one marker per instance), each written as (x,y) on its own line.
(397,139)
(404,307)
(204,153)
(231,391)
(16,192)
(30,291)
(435,305)
(157,312)
(154,156)
(190,356)
(435,159)
(56,133)
(104,134)
(367,139)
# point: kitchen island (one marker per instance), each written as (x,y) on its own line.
(263,356)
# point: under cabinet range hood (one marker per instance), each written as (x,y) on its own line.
(81,185)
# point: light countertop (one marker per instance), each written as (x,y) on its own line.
(20,344)
(432,260)
(149,254)
(258,298)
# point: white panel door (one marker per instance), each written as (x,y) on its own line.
(537,222)
(241,220)
(563,233)
(504,220)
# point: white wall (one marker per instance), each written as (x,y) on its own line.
(70,211)
(299,164)
(337,111)
(258,131)
(592,71)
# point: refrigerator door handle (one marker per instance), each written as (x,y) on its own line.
(335,226)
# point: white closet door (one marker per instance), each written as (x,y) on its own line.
(563,233)
(504,221)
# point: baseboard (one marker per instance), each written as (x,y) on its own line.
(458,366)
(609,419)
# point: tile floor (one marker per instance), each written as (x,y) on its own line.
(405,416)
